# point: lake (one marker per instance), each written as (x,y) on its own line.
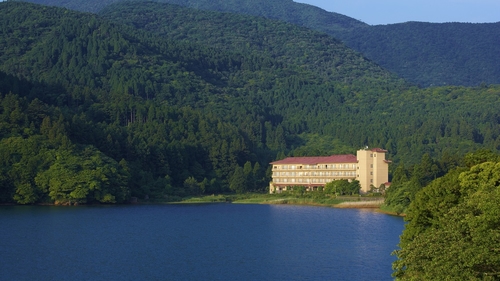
(196,242)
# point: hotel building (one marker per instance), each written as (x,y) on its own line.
(369,167)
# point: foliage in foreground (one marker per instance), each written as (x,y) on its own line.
(407,182)
(453,230)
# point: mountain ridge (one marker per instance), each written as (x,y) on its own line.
(431,66)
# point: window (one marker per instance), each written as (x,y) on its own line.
(371,180)
(371,155)
(371,173)
(371,165)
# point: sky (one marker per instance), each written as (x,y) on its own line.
(397,11)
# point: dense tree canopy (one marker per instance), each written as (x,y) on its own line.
(453,228)
(342,187)
(427,54)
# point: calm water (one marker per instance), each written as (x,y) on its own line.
(196,242)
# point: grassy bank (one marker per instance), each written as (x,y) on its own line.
(387,210)
(293,199)
(361,204)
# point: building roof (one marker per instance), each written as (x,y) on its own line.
(378,150)
(343,158)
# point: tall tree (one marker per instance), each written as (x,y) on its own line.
(453,231)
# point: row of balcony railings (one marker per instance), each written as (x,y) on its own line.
(347,167)
(327,174)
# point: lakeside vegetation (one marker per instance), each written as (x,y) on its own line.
(314,198)
(453,225)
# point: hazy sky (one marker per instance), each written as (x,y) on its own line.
(397,11)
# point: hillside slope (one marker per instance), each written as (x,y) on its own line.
(287,10)
(433,54)
(423,53)
(286,43)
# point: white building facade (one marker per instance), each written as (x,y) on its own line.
(369,167)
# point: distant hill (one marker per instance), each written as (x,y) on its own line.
(433,54)
(287,10)
(288,44)
(423,53)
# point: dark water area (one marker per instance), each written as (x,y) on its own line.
(196,242)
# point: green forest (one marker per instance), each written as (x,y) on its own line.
(453,224)
(425,54)
(433,54)
(150,100)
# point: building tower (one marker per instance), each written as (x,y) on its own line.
(373,168)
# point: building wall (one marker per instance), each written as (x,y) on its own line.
(310,176)
(373,168)
(370,169)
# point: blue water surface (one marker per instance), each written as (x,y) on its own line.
(196,242)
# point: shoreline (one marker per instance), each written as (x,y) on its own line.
(375,205)
(360,204)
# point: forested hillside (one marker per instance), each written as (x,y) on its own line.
(289,45)
(151,100)
(286,10)
(426,54)
(377,92)
(433,54)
